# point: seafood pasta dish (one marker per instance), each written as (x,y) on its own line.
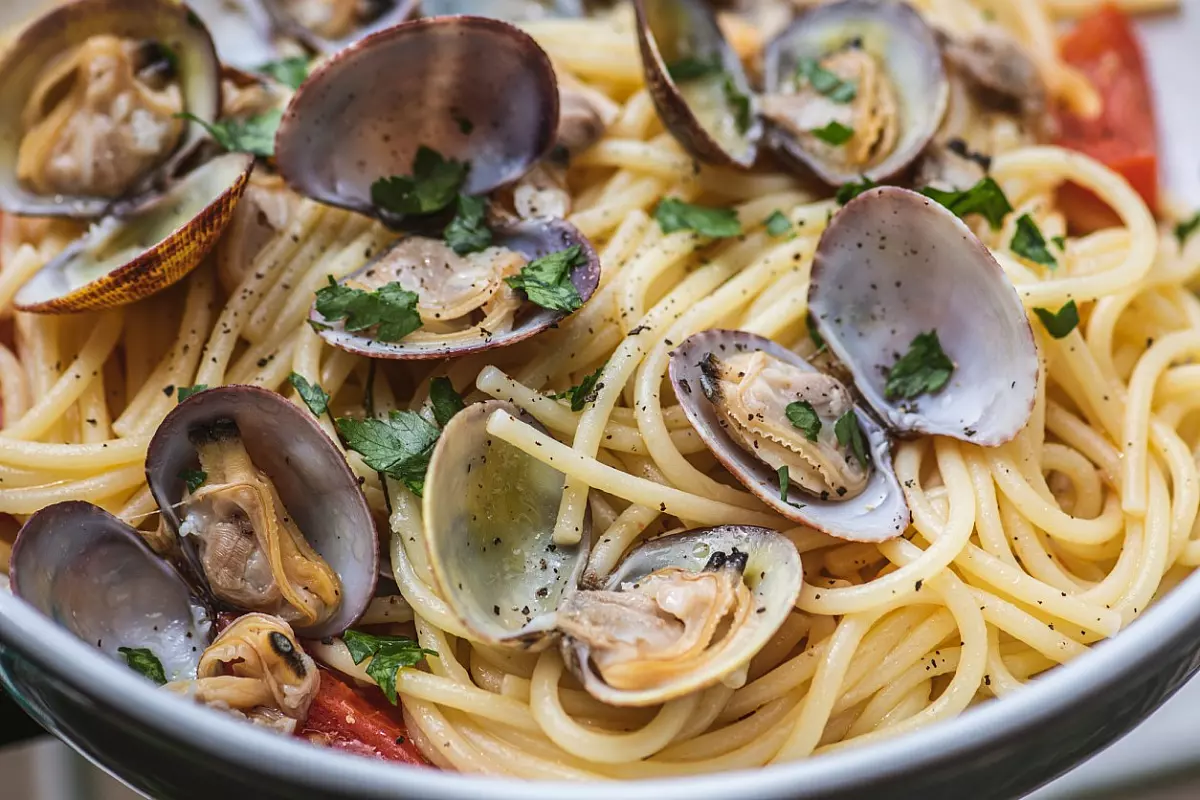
(591,390)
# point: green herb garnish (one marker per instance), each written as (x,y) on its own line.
(316,398)
(143,660)
(675,215)
(391,309)
(585,392)
(826,82)
(848,191)
(784,482)
(398,446)
(468,231)
(802,415)
(1028,243)
(1062,322)
(291,72)
(1185,228)
(849,434)
(184,392)
(743,114)
(813,333)
(445,401)
(388,654)
(985,197)
(834,134)
(692,68)
(194,478)
(924,369)
(1060,241)
(255,135)
(778,224)
(433,185)
(546,281)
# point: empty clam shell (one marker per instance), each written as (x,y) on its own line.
(476,90)
(168,24)
(765,569)
(124,259)
(530,239)
(900,51)
(877,511)
(329,27)
(315,485)
(697,81)
(241,29)
(507,10)
(893,265)
(91,573)
(489,514)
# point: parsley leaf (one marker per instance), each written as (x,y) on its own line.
(675,215)
(778,224)
(468,231)
(445,401)
(316,398)
(925,368)
(433,185)
(742,114)
(184,392)
(291,72)
(813,333)
(1185,228)
(985,197)
(399,446)
(848,191)
(1028,243)
(826,82)
(194,478)
(143,660)
(692,68)
(546,281)
(388,654)
(585,392)
(835,133)
(1062,322)
(391,307)
(849,434)
(802,415)
(255,135)
(784,483)
(1061,242)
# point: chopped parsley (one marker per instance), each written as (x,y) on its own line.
(184,392)
(398,446)
(743,114)
(692,68)
(388,654)
(825,82)
(834,134)
(585,392)
(465,126)
(546,281)
(143,660)
(316,398)
(1062,322)
(390,309)
(1185,228)
(1060,242)
(803,416)
(675,215)
(784,482)
(194,478)
(848,191)
(813,333)
(291,72)
(445,401)
(468,231)
(778,224)
(924,369)
(433,185)
(985,197)
(1028,243)
(850,435)
(254,135)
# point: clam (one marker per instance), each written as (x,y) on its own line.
(740,392)
(243,31)
(507,10)
(854,88)
(489,515)
(122,259)
(680,613)
(91,95)
(926,321)
(464,303)
(327,26)
(266,511)
(91,573)
(697,81)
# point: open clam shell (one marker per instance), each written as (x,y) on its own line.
(906,52)
(476,90)
(242,30)
(91,573)
(532,239)
(877,513)
(317,489)
(697,81)
(314,31)
(122,259)
(770,568)
(26,61)
(507,10)
(489,513)
(894,264)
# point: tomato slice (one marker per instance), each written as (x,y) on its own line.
(343,717)
(1123,136)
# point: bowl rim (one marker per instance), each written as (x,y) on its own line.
(211,734)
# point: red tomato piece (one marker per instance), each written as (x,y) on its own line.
(1123,136)
(343,717)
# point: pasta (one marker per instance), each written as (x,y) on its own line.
(1019,557)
